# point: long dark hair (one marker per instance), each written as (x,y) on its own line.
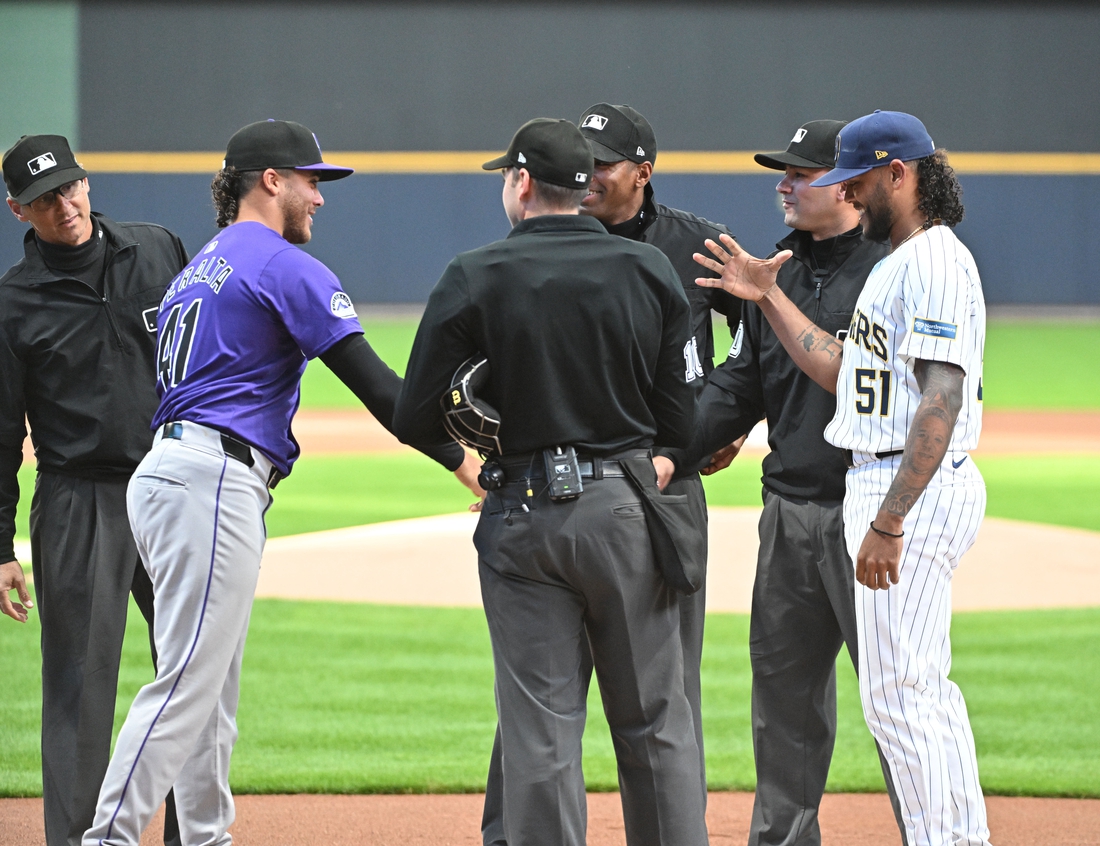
(227,188)
(939,190)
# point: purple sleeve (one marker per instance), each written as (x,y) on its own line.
(308,297)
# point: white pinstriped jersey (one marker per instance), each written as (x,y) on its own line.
(923,301)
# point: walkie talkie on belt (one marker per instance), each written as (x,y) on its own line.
(563,473)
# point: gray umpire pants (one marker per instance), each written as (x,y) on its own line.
(85,566)
(565,584)
(803,609)
(692,617)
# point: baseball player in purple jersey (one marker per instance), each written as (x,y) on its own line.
(908,383)
(235,329)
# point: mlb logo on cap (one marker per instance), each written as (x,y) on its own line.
(41,163)
(594,122)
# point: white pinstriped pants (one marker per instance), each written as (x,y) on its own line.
(915,712)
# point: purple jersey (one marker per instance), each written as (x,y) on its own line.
(234,331)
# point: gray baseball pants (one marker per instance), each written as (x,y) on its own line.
(197,516)
(562,582)
(803,610)
(692,618)
(85,566)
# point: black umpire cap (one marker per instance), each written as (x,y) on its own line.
(36,164)
(552,151)
(813,146)
(617,133)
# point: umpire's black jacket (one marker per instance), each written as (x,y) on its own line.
(584,334)
(678,234)
(79,365)
(759,379)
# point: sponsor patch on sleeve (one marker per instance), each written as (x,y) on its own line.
(934,328)
(341,305)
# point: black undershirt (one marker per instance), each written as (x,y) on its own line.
(632,228)
(84,262)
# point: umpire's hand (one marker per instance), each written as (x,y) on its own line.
(11,578)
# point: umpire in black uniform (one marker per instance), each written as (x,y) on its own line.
(620,197)
(77,349)
(584,334)
(803,602)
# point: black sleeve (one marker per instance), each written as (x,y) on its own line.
(732,401)
(13,431)
(358,366)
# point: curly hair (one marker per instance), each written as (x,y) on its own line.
(939,190)
(227,188)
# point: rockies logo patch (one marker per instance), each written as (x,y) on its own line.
(341,306)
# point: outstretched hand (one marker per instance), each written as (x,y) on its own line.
(740,274)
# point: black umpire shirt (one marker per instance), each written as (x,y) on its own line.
(759,379)
(584,333)
(79,362)
(679,234)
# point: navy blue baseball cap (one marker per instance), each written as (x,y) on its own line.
(281,144)
(875,140)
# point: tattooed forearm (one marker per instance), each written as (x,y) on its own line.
(929,436)
(813,339)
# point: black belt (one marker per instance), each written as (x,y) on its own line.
(850,463)
(521,468)
(230,445)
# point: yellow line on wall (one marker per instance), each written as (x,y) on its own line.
(673,161)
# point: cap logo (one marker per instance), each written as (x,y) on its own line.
(640,152)
(41,163)
(582,177)
(594,122)
(799,135)
(522,158)
(836,149)
(881,154)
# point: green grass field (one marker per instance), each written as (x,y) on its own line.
(1025,364)
(345,698)
(353,698)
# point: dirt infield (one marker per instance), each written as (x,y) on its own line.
(849,819)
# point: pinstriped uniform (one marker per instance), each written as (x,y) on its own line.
(922,302)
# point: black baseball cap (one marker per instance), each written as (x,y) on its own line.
(813,146)
(875,140)
(36,164)
(281,144)
(551,150)
(617,133)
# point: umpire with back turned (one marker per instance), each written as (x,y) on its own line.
(584,336)
(621,197)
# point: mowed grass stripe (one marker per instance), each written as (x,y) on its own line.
(344,698)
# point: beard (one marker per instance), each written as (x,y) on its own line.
(296,221)
(878,217)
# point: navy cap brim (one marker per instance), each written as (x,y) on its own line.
(781,161)
(327,172)
(839,174)
(48,183)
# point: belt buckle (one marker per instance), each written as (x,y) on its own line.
(173,430)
